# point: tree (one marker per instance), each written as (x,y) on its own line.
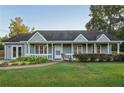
(106,18)
(17,27)
(4,38)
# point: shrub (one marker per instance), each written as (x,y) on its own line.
(119,58)
(94,57)
(32,60)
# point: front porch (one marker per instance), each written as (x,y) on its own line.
(55,50)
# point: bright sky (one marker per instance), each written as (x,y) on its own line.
(45,17)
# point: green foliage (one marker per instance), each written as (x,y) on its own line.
(94,57)
(17,27)
(106,18)
(99,57)
(4,38)
(32,60)
(1,46)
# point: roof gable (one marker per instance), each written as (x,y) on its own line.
(80,38)
(103,38)
(37,37)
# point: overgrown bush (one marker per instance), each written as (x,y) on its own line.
(95,57)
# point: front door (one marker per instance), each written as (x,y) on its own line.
(16,51)
(57,51)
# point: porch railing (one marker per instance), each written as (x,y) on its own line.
(49,56)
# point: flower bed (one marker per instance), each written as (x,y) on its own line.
(25,61)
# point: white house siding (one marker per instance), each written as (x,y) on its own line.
(36,38)
(80,38)
(103,38)
(9,49)
(8,52)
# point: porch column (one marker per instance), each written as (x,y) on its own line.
(108,48)
(95,48)
(47,50)
(86,48)
(28,48)
(72,50)
(100,48)
(61,50)
(52,51)
(118,48)
(25,50)
(4,51)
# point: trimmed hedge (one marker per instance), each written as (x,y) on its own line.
(99,57)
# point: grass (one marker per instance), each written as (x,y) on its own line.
(66,74)
(115,52)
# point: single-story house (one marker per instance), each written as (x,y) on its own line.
(54,44)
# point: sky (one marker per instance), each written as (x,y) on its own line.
(45,17)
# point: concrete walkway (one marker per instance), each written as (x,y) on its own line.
(29,66)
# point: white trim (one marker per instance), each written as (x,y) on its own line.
(72,48)
(108,48)
(47,50)
(16,46)
(95,48)
(118,48)
(80,35)
(11,48)
(100,48)
(25,49)
(86,48)
(103,35)
(52,51)
(66,42)
(39,35)
(4,51)
(77,49)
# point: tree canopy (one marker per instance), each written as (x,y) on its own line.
(17,27)
(106,18)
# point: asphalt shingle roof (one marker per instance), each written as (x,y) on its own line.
(62,35)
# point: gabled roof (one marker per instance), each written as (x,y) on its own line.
(62,35)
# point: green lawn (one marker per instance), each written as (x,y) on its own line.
(66,74)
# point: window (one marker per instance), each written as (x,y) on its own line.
(45,49)
(14,51)
(19,51)
(41,49)
(58,52)
(79,49)
(37,49)
(75,49)
(98,48)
